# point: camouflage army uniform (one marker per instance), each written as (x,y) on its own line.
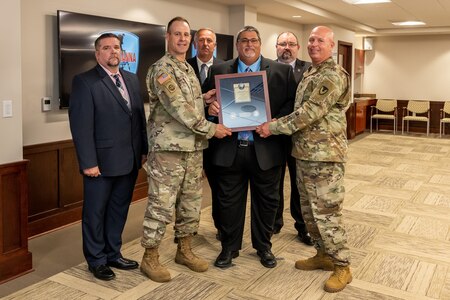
(177,134)
(318,126)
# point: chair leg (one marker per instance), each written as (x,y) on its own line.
(371,121)
(440,129)
(428,127)
(403,126)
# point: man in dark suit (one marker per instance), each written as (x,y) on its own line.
(245,157)
(287,51)
(107,122)
(205,43)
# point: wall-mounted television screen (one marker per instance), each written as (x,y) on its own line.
(224,49)
(142,45)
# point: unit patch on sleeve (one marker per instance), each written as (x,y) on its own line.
(323,90)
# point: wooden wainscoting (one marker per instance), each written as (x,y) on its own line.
(15,259)
(56,186)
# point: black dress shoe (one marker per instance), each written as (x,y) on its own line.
(305,238)
(102,272)
(267,258)
(225,257)
(123,264)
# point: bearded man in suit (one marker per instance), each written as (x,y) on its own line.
(107,122)
(287,52)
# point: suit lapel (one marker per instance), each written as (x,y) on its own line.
(265,66)
(234,66)
(113,89)
(126,77)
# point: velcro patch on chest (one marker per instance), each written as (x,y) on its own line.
(164,78)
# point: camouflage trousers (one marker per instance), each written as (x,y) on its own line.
(174,183)
(321,188)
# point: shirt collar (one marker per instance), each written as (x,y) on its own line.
(208,63)
(255,67)
(110,74)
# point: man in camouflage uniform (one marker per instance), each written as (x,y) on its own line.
(318,126)
(177,134)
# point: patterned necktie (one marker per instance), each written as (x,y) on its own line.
(246,135)
(121,89)
(203,71)
(118,83)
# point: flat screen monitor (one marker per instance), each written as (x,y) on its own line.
(142,45)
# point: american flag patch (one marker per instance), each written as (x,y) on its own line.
(163,78)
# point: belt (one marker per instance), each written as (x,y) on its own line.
(243,143)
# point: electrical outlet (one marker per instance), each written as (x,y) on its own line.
(7,109)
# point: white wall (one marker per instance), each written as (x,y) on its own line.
(270,28)
(39,49)
(10,82)
(409,67)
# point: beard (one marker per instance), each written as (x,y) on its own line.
(249,53)
(113,62)
(286,55)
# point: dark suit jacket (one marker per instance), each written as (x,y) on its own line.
(105,132)
(270,152)
(193,62)
(300,67)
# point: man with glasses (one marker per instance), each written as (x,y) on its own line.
(245,157)
(287,51)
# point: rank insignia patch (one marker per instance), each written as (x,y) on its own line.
(323,90)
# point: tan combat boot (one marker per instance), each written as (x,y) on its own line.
(320,261)
(338,280)
(151,267)
(186,257)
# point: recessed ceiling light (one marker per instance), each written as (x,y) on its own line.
(366,1)
(409,23)
(296,16)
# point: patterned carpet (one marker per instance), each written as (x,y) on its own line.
(397,214)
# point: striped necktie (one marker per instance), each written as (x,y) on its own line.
(121,89)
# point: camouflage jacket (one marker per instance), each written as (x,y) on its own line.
(318,123)
(177,118)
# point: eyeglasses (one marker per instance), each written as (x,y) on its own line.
(287,44)
(251,41)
